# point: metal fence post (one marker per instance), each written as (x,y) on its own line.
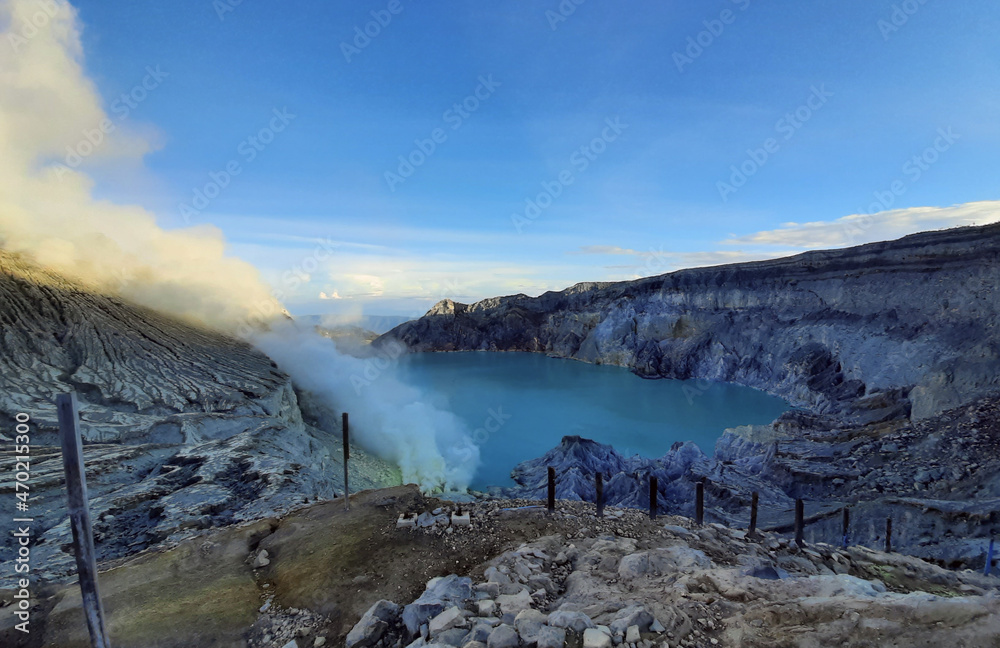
(699,503)
(79,515)
(599,482)
(800,523)
(552,490)
(653,492)
(347,456)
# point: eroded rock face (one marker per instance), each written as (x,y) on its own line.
(872,332)
(184,428)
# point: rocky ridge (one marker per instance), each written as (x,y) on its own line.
(885,330)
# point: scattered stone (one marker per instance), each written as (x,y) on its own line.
(575,621)
(373,624)
(514,603)
(594,638)
(632,634)
(528,623)
(549,637)
(503,636)
(261,560)
(450,618)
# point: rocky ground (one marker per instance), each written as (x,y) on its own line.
(515,576)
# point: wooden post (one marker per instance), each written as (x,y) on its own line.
(79,515)
(888,535)
(653,492)
(699,503)
(552,490)
(846,527)
(347,455)
(752,529)
(599,478)
(800,516)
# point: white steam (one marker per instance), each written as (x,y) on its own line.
(48,109)
(431,446)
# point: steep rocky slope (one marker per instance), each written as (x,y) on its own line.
(184,428)
(891,351)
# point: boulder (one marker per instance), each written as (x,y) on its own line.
(439,594)
(575,621)
(373,625)
(503,636)
(594,638)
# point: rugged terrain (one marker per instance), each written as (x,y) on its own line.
(184,428)
(890,351)
(514,575)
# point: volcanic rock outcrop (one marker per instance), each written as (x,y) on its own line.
(184,428)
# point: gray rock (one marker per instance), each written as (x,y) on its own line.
(514,603)
(549,637)
(503,636)
(528,623)
(450,618)
(373,625)
(439,594)
(594,638)
(636,615)
(575,621)
(453,637)
(480,632)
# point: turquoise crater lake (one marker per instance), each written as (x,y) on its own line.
(520,405)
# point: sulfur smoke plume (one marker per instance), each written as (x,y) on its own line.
(431,446)
(48,106)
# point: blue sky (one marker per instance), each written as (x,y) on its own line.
(315,212)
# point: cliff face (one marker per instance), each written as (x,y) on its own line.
(906,327)
(184,428)
(891,349)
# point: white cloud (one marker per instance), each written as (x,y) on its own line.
(857,229)
(332,295)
